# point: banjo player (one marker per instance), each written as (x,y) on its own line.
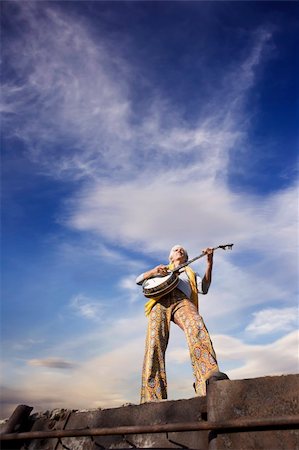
(180,306)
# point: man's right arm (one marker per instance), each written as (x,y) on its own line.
(160,270)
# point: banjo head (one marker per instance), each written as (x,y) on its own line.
(159,286)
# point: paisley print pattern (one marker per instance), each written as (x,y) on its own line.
(175,307)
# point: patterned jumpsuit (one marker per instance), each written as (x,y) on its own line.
(179,309)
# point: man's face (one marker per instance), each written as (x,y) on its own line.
(178,255)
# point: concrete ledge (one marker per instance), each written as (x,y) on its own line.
(252,398)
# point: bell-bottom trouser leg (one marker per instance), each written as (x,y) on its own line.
(202,354)
(154,384)
(203,359)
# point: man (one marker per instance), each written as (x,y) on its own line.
(181,307)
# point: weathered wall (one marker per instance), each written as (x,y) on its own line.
(242,399)
(253,398)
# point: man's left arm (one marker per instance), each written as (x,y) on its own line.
(207,279)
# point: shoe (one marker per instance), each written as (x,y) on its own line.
(216,376)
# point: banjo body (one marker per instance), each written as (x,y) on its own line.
(159,286)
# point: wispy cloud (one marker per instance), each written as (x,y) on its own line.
(76,92)
(274,320)
(128,284)
(86,307)
(82,99)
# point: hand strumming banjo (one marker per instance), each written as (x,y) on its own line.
(161,285)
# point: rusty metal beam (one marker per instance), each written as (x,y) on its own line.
(230,425)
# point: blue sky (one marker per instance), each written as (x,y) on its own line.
(128,127)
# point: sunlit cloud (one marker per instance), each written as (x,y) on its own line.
(274,320)
(279,357)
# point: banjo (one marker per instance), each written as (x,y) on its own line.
(161,285)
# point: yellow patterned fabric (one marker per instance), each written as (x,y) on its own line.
(149,305)
(194,292)
(175,307)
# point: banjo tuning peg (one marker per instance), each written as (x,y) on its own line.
(227,246)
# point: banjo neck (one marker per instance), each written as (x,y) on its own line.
(181,266)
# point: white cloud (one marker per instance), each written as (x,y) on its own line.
(87,307)
(273,320)
(70,93)
(279,357)
(158,210)
(128,284)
